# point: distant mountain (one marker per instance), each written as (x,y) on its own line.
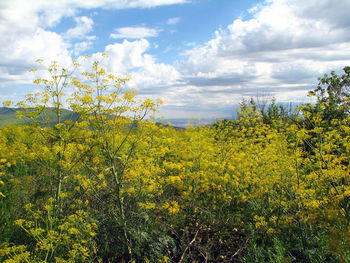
(8,117)
(183,123)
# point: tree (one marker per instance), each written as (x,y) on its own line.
(333,93)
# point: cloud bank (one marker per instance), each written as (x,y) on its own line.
(135,32)
(280,49)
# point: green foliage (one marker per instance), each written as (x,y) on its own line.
(333,94)
(67,240)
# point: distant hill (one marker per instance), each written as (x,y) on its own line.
(8,116)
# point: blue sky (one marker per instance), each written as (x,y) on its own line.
(200,56)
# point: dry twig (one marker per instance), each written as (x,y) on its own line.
(188,246)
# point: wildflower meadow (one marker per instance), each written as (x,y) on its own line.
(110,184)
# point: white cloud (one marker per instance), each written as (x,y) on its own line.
(83,27)
(154,78)
(141,3)
(134,32)
(22,52)
(81,47)
(173,21)
(147,75)
(127,55)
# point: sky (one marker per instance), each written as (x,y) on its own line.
(201,57)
